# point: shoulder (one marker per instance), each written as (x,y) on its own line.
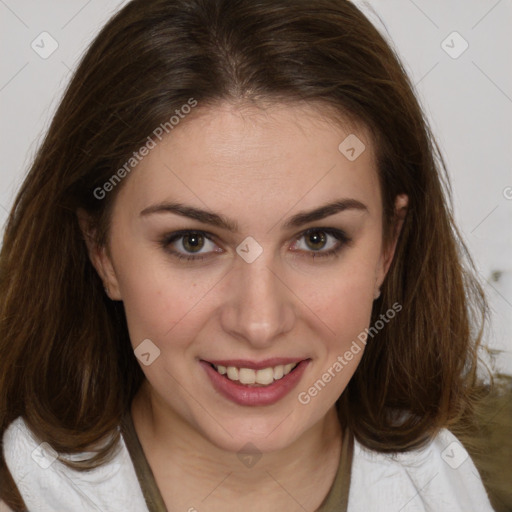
(45,482)
(438,476)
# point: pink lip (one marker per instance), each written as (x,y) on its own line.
(243,394)
(256,365)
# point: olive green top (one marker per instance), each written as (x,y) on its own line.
(335,501)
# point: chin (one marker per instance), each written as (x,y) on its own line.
(250,434)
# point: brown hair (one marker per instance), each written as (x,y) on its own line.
(66,363)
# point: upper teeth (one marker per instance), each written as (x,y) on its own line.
(264,376)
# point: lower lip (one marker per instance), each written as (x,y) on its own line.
(243,394)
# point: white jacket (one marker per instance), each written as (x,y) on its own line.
(441,477)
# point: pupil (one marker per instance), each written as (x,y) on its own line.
(192,242)
(317,238)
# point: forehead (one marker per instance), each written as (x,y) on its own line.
(261,159)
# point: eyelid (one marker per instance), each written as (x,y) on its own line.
(177,235)
(337,233)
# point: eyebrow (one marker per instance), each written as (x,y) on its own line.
(220,221)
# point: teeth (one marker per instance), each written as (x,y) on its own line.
(264,377)
(232,373)
(279,372)
(288,368)
(246,376)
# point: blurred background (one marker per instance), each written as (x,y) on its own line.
(457,53)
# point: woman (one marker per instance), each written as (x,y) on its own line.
(253,295)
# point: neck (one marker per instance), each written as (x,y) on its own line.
(189,469)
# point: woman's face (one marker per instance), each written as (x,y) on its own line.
(246,289)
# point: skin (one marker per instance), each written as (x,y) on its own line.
(257,166)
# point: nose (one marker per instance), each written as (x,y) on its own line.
(261,306)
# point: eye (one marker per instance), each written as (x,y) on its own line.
(316,242)
(188,245)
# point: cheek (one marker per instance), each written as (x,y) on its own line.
(156,302)
(161,301)
(346,306)
(346,290)
(154,297)
(343,300)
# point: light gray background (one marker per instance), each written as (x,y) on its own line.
(468,100)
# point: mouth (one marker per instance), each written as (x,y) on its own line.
(255,384)
(255,377)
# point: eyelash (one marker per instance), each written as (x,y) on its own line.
(341,236)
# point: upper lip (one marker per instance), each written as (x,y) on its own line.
(255,365)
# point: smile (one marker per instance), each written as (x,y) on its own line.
(263,377)
(255,384)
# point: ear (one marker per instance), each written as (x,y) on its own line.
(99,256)
(401,204)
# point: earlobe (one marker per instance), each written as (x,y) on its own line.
(401,205)
(99,257)
(103,264)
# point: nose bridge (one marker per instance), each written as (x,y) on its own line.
(260,307)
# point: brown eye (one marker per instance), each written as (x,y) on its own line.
(321,242)
(316,240)
(193,242)
(190,245)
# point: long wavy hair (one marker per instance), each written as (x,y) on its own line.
(66,362)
